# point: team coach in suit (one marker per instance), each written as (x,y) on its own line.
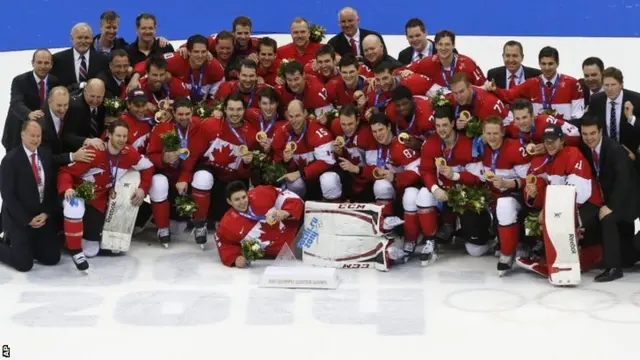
(28,188)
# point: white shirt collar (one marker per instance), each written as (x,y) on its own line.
(425,52)
(29,152)
(35,76)
(355,37)
(76,55)
(553,79)
(618,99)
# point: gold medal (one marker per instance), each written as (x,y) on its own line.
(291,146)
(357,95)
(531,179)
(162,116)
(441,162)
(403,138)
(164,104)
(261,136)
(489,175)
(465,115)
(243,150)
(271,220)
(184,153)
(113,194)
(531,149)
(340,141)
(378,173)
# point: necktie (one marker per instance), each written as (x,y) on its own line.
(94,123)
(123,90)
(420,56)
(42,91)
(512,80)
(613,124)
(354,47)
(83,69)
(34,167)
(596,158)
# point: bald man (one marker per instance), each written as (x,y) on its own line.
(374,52)
(349,40)
(74,66)
(84,123)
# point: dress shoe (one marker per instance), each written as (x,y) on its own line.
(609,275)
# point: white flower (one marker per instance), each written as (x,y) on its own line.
(116,104)
(255,247)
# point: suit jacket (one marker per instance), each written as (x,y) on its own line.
(52,140)
(499,75)
(112,89)
(20,197)
(629,134)
(25,98)
(617,176)
(342,46)
(77,125)
(64,67)
(394,63)
(585,91)
(406,55)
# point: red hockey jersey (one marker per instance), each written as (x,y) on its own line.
(397,157)
(483,105)
(155,149)
(510,162)
(229,87)
(459,158)
(314,153)
(418,84)
(314,96)
(269,75)
(290,52)
(432,67)
(235,227)
(172,89)
(420,124)
(139,131)
(340,95)
(534,135)
(100,170)
(256,119)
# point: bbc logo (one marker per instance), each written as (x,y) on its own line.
(6,352)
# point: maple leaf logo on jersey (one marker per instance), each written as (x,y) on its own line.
(301,161)
(223,156)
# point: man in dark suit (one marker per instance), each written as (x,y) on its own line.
(29,92)
(349,40)
(617,110)
(591,83)
(28,179)
(115,78)
(513,73)
(419,46)
(374,53)
(75,66)
(84,123)
(613,169)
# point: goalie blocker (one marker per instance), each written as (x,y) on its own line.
(346,235)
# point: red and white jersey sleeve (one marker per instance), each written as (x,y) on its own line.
(357,145)
(540,121)
(155,149)
(566,96)
(570,167)
(432,68)
(511,162)
(139,132)
(397,157)
(420,124)
(459,158)
(485,104)
(314,153)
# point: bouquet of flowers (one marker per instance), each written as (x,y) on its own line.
(439,100)
(270,171)
(463,198)
(203,110)
(549,111)
(86,191)
(316,33)
(531,225)
(283,63)
(252,249)
(473,129)
(331,115)
(170,141)
(114,106)
(186,206)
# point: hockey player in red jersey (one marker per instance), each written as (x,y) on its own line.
(479,102)
(323,67)
(342,90)
(565,165)
(266,118)
(83,222)
(505,164)
(221,151)
(156,85)
(301,49)
(305,147)
(167,164)
(448,160)
(550,92)
(527,128)
(246,85)
(268,64)
(138,120)
(442,66)
(353,138)
(412,115)
(264,213)
(305,88)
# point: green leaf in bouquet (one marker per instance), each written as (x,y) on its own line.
(473,129)
(170,141)
(439,100)
(203,110)
(186,206)
(316,33)
(531,225)
(283,64)
(272,171)
(114,106)
(251,250)
(86,191)
(457,198)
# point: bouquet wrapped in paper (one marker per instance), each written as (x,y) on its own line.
(252,249)
(532,226)
(85,191)
(316,33)
(186,206)
(463,198)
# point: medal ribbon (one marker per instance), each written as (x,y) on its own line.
(166,90)
(494,159)
(379,161)
(448,155)
(113,174)
(543,89)
(359,86)
(249,214)
(252,94)
(184,139)
(546,160)
(530,134)
(235,133)
(473,101)
(271,123)
(196,88)
(452,72)
(292,133)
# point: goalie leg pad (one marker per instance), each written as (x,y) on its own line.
(159,190)
(331,186)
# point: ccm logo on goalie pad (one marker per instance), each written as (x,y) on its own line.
(356,266)
(309,235)
(352,206)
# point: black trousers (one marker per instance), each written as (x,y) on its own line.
(25,244)
(93,223)
(475,227)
